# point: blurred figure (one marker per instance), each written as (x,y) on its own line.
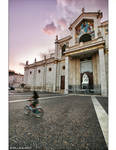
(34,100)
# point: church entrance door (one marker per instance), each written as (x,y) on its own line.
(86,68)
(90,76)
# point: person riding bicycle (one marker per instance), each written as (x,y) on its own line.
(34,100)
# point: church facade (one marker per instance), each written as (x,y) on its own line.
(80,61)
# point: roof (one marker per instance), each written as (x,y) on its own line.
(42,62)
(103,24)
(12,72)
(65,38)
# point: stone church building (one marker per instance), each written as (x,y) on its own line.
(80,61)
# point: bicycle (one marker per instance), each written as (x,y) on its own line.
(37,112)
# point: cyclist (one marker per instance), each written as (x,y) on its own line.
(34,101)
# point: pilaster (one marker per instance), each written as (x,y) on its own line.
(73,38)
(66,74)
(34,77)
(78,73)
(44,77)
(102,72)
(26,76)
(95,74)
(54,85)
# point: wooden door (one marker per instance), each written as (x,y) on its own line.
(62,82)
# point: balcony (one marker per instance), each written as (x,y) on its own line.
(85,45)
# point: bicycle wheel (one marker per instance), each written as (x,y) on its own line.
(26,110)
(39,113)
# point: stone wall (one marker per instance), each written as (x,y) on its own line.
(50,77)
(59,72)
(16,80)
(30,77)
(40,77)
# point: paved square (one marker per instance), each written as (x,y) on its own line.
(69,123)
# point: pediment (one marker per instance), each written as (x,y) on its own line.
(85,15)
(86,26)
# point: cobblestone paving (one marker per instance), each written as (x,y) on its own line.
(69,123)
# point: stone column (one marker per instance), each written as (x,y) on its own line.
(66,74)
(96,24)
(73,33)
(59,76)
(72,78)
(102,72)
(44,76)
(95,73)
(54,85)
(95,28)
(56,47)
(77,74)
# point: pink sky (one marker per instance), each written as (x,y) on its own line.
(33,25)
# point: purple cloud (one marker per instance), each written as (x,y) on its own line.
(62,22)
(50,28)
(65,2)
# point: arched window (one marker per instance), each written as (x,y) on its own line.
(39,71)
(63,49)
(63,67)
(50,69)
(85,38)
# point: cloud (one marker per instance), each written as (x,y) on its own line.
(76,3)
(22,64)
(69,9)
(64,3)
(55,26)
(62,22)
(75,6)
(50,28)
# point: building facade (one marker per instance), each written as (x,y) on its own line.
(15,79)
(80,61)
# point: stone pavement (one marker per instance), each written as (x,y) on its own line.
(69,123)
(104,102)
(26,95)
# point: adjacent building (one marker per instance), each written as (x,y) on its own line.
(80,61)
(15,79)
